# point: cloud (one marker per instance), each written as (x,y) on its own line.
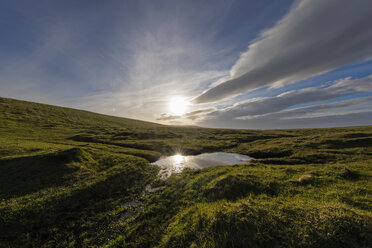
(360,85)
(289,107)
(194,115)
(319,110)
(344,113)
(261,106)
(315,37)
(168,117)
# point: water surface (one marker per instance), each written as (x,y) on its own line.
(176,163)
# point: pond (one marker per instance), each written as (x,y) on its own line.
(176,163)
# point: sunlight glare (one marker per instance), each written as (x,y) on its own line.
(178,159)
(178,105)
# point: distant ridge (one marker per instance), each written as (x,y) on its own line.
(40,110)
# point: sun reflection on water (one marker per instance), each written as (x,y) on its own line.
(178,159)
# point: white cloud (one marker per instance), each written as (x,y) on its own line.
(316,36)
(286,108)
(360,85)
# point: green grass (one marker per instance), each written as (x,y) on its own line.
(72,178)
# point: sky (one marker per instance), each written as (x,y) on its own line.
(213,63)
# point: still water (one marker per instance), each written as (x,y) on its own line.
(176,163)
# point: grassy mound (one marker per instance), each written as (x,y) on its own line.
(260,223)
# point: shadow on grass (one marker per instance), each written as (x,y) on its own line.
(25,175)
(80,218)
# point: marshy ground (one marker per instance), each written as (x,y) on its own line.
(71,178)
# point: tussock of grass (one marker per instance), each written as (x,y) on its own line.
(306,179)
(349,174)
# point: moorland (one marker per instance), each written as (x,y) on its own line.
(73,178)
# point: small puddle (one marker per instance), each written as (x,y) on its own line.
(133,209)
(178,162)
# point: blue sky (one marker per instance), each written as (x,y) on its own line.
(239,64)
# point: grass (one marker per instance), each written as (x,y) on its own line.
(72,178)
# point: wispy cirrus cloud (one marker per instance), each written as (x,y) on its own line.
(315,37)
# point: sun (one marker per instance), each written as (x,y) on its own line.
(178,105)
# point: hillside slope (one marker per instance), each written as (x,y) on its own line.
(72,178)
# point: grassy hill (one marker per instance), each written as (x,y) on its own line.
(72,178)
